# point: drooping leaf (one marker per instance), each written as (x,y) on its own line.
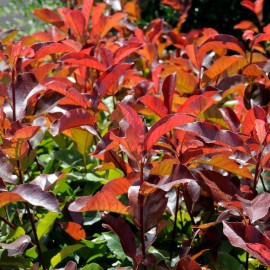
(9,197)
(123,231)
(49,48)
(65,252)
(227,164)
(101,201)
(168,88)
(70,266)
(250,239)
(45,181)
(73,94)
(18,246)
(82,59)
(220,41)
(221,65)
(257,208)
(24,84)
(36,196)
(6,170)
(71,119)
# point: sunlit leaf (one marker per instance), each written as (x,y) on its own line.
(65,252)
(45,224)
(18,246)
(71,119)
(101,201)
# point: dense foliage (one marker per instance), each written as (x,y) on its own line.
(134,148)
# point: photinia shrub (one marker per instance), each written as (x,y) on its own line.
(130,148)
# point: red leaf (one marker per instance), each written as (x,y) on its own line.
(248,237)
(82,59)
(218,42)
(261,250)
(25,133)
(69,92)
(36,196)
(133,119)
(76,21)
(50,16)
(125,50)
(168,89)
(18,246)
(101,201)
(42,71)
(75,230)
(195,105)
(71,119)
(52,48)
(155,104)
(123,231)
(164,125)
(187,263)
(86,10)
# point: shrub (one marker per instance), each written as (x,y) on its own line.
(130,148)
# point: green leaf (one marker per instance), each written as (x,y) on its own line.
(92,266)
(16,234)
(226,261)
(114,245)
(45,224)
(13,263)
(60,256)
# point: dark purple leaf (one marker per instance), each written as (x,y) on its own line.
(211,134)
(6,170)
(45,181)
(123,231)
(18,246)
(36,196)
(168,89)
(25,83)
(231,118)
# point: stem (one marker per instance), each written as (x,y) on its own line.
(141,201)
(13,95)
(263,184)
(257,172)
(246,263)
(30,216)
(174,222)
(12,226)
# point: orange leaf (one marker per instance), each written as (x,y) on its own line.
(227,164)
(8,197)
(75,230)
(101,201)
